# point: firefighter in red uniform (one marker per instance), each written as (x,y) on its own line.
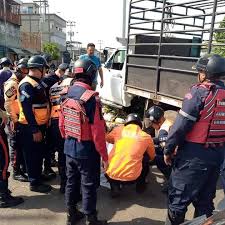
(83,127)
(198,132)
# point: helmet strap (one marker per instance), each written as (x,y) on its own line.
(42,72)
(19,74)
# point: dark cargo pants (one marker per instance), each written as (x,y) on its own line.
(4,163)
(33,152)
(56,143)
(191,181)
(16,154)
(82,173)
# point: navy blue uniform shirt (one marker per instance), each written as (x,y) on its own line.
(30,95)
(192,105)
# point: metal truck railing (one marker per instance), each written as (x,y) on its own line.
(165,39)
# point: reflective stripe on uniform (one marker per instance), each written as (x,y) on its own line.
(25,94)
(184,114)
(44,84)
(211,100)
(40,105)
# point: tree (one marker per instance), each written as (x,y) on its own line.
(220,39)
(52,49)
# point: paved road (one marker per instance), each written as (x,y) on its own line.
(40,209)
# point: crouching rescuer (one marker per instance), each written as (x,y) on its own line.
(129,158)
(82,125)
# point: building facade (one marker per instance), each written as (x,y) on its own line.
(49,27)
(10,22)
(74,48)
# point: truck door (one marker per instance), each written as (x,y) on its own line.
(114,78)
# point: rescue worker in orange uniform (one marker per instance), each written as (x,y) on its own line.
(196,143)
(126,160)
(12,110)
(56,142)
(34,117)
(82,125)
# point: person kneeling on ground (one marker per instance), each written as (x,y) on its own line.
(128,161)
(162,123)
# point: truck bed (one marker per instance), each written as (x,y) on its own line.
(165,40)
(174,79)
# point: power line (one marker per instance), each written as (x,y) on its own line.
(43,4)
(71,25)
(100,42)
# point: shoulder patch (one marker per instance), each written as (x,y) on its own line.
(10,92)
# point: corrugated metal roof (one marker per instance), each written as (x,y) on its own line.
(18,2)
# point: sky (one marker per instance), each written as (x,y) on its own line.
(95,19)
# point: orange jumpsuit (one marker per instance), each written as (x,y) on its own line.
(125,159)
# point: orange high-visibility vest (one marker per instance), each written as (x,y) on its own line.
(125,159)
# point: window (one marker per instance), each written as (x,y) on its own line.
(51,25)
(30,9)
(119,57)
(116,62)
(24,10)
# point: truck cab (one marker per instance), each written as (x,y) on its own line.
(113,92)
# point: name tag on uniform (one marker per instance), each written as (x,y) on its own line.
(10,92)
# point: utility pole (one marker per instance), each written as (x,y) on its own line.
(44,6)
(6,29)
(100,42)
(124,18)
(71,25)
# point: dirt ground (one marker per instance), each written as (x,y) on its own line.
(131,208)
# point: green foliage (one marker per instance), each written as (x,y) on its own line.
(52,49)
(220,39)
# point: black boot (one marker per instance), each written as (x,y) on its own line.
(141,187)
(54,163)
(93,220)
(48,174)
(20,176)
(74,216)
(115,190)
(41,188)
(62,174)
(7,200)
(62,188)
(165,188)
(174,219)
